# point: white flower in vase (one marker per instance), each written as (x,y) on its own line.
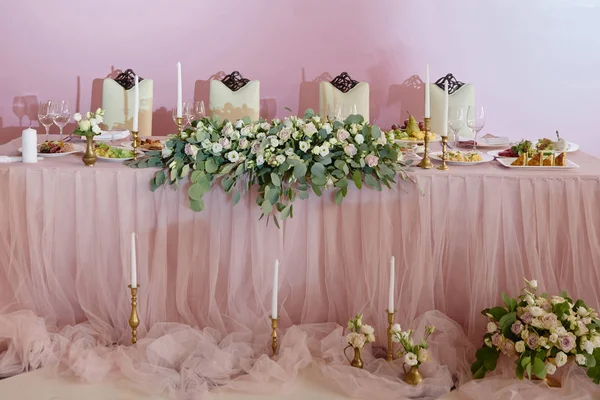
(96,129)
(84,125)
(423,355)
(356,340)
(77,117)
(411,359)
(367,329)
(396,328)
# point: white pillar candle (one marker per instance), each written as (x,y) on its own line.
(427,102)
(29,144)
(179,93)
(392,284)
(133,263)
(275,288)
(445,118)
(136,105)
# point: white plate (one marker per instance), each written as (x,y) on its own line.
(54,155)
(107,136)
(438,157)
(572,148)
(404,141)
(488,142)
(506,161)
(128,146)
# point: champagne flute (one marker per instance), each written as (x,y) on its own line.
(18,108)
(61,115)
(199,112)
(456,120)
(188,111)
(45,110)
(475,121)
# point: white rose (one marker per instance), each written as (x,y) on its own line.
(304,146)
(396,328)
(536,311)
(261,135)
(217,148)
(557,300)
(316,150)
(260,160)
(99,118)
(235,135)
(356,340)
(274,142)
(360,139)
(580,358)
(411,359)
(324,151)
(280,158)
(529,300)
(550,368)
(560,359)
(93,121)
(233,156)
(520,346)
(423,355)
(582,311)
(77,117)
(84,125)
(491,327)
(88,115)
(289,151)
(596,341)
(560,331)
(245,131)
(370,338)
(265,126)
(328,127)
(310,129)
(96,129)
(588,346)
(532,284)
(239,124)
(553,338)
(288,123)
(367,329)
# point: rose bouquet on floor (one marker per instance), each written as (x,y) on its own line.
(542,331)
(360,334)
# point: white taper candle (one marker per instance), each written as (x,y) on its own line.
(133,263)
(392,285)
(445,119)
(275,289)
(179,92)
(136,105)
(427,102)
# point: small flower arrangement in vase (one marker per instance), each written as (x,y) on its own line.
(360,334)
(414,354)
(89,126)
(542,331)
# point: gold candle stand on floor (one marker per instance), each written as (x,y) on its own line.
(274,335)
(425,161)
(134,321)
(444,167)
(179,121)
(390,349)
(135,142)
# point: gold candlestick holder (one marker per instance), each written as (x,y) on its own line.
(444,167)
(134,321)
(274,335)
(390,349)
(425,161)
(135,143)
(179,121)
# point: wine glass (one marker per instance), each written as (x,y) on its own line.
(456,120)
(198,111)
(475,121)
(188,112)
(18,108)
(351,110)
(45,110)
(338,114)
(61,114)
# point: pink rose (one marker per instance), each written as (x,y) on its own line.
(191,150)
(507,347)
(527,317)
(549,321)
(225,143)
(517,327)
(255,147)
(350,150)
(285,134)
(371,160)
(343,135)
(566,343)
(496,339)
(244,143)
(532,341)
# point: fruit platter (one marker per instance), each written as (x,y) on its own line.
(412,132)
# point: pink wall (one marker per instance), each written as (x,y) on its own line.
(535,63)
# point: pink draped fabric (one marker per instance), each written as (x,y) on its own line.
(460,239)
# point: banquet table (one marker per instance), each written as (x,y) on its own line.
(460,238)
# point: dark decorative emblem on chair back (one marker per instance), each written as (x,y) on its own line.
(343,82)
(235,81)
(453,84)
(127,79)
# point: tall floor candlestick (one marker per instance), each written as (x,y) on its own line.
(390,349)
(274,336)
(134,321)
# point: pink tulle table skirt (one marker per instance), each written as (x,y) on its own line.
(460,239)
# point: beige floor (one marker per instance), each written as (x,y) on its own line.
(35,386)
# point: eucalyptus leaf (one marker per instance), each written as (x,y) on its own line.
(285,212)
(303,195)
(185,170)
(371,181)
(342,183)
(266,207)
(211,166)
(317,189)
(275,179)
(375,132)
(239,170)
(227,183)
(338,197)
(195,192)
(318,170)
(357,178)
(236,197)
(197,205)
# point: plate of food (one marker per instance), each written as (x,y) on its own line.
(412,132)
(539,160)
(113,154)
(52,149)
(543,144)
(462,157)
(146,145)
(486,141)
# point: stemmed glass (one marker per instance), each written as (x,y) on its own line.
(351,110)
(476,122)
(45,110)
(18,108)
(186,113)
(61,114)
(198,112)
(456,120)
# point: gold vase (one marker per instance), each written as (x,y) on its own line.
(89,158)
(356,362)
(413,377)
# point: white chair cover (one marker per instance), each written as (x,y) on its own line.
(330,97)
(230,105)
(118,106)
(463,97)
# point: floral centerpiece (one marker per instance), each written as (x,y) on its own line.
(285,158)
(360,334)
(542,332)
(89,126)
(414,354)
